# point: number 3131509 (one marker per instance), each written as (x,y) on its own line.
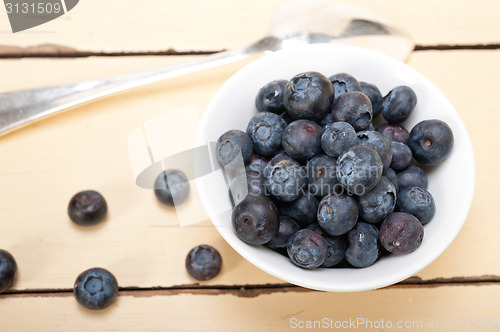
(32,8)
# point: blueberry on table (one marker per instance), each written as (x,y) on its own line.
(431,141)
(359,169)
(372,92)
(394,132)
(354,108)
(302,139)
(342,83)
(401,156)
(321,175)
(309,96)
(379,143)
(338,137)
(401,233)
(307,249)
(8,270)
(398,104)
(337,214)
(287,228)
(203,262)
(363,248)
(270,97)
(285,180)
(303,210)
(95,288)
(412,176)
(231,144)
(418,202)
(255,220)
(171,187)
(87,208)
(266,130)
(376,204)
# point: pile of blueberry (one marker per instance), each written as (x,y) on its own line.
(326,181)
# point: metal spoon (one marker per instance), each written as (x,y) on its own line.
(293,24)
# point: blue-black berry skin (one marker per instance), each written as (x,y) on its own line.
(172,187)
(287,228)
(354,108)
(270,97)
(309,96)
(303,210)
(391,175)
(401,156)
(372,92)
(401,233)
(87,208)
(8,270)
(255,220)
(286,180)
(231,144)
(398,104)
(431,142)
(394,132)
(337,214)
(302,139)
(307,249)
(338,137)
(203,262)
(412,176)
(363,248)
(342,83)
(257,164)
(337,246)
(248,183)
(418,202)
(321,175)
(95,288)
(379,143)
(376,204)
(359,169)
(266,131)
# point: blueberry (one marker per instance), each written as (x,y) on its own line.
(376,204)
(302,139)
(337,138)
(401,156)
(398,104)
(418,202)
(401,233)
(171,187)
(321,175)
(248,183)
(337,214)
(95,288)
(412,176)
(353,107)
(308,96)
(391,175)
(270,97)
(230,144)
(276,159)
(303,210)
(394,132)
(87,208)
(342,83)
(379,143)
(287,228)
(288,119)
(337,245)
(8,270)
(359,169)
(326,121)
(363,245)
(285,180)
(203,262)
(257,164)
(372,92)
(255,220)
(266,130)
(431,141)
(307,249)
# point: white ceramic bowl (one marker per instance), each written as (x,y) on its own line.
(451,183)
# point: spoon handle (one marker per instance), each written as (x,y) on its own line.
(19,108)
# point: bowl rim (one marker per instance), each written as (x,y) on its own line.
(238,245)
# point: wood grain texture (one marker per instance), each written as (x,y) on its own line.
(417,308)
(141,242)
(158,25)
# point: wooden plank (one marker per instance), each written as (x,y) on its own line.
(464,308)
(141,243)
(128,25)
